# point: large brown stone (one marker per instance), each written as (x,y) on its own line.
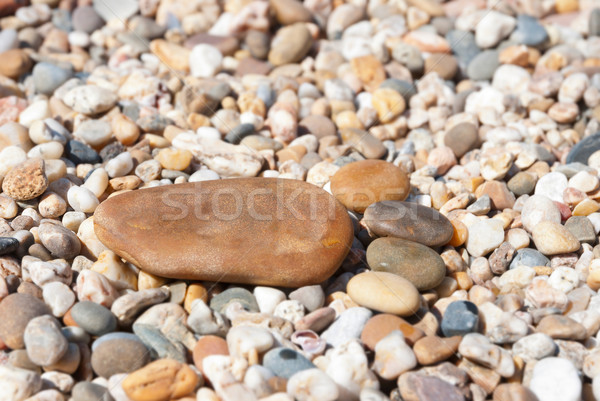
(409,221)
(357,185)
(261,231)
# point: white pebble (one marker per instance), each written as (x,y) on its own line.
(82,199)
(120,165)
(37,110)
(205,61)
(58,297)
(97,182)
(556,379)
(48,151)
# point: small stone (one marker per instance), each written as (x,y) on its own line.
(539,208)
(160,380)
(409,221)
(26,180)
(312,297)
(221,301)
(384,292)
(365,143)
(206,346)
(16,311)
(90,391)
(529,257)
(393,356)
(80,153)
(460,318)
(594,22)
(584,149)
(522,183)
(529,31)
(44,341)
(115,355)
(388,103)
(86,19)
(15,62)
(514,392)
(582,229)
(60,241)
(430,350)
(245,340)
(18,384)
(461,138)
(415,386)
(59,297)
(93,318)
(205,61)
(290,44)
(417,263)
(484,236)
(492,28)
(348,326)
(483,65)
(552,238)
(561,327)
(286,362)
(360,184)
(111,10)
(90,99)
(555,379)
(312,384)
(535,346)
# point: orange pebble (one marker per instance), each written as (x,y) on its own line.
(460,233)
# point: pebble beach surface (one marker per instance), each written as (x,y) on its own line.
(289,200)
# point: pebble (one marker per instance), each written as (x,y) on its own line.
(555,379)
(26,180)
(16,62)
(484,236)
(93,318)
(87,390)
(384,292)
(312,384)
(47,77)
(286,362)
(483,65)
(538,208)
(205,61)
(409,221)
(383,324)
(460,318)
(59,297)
(430,350)
(492,28)
(16,311)
(582,151)
(393,356)
(44,342)
(327,255)
(552,238)
(347,327)
(290,44)
(360,184)
(535,346)
(118,355)
(19,384)
(90,99)
(417,263)
(60,241)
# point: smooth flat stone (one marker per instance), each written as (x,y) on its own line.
(360,184)
(409,221)
(261,231)
(420,265)
(384,292)
(584,149)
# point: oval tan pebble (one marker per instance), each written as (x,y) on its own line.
(160,380)
(26,180)
(384,292)
(360,184)
(261,231)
